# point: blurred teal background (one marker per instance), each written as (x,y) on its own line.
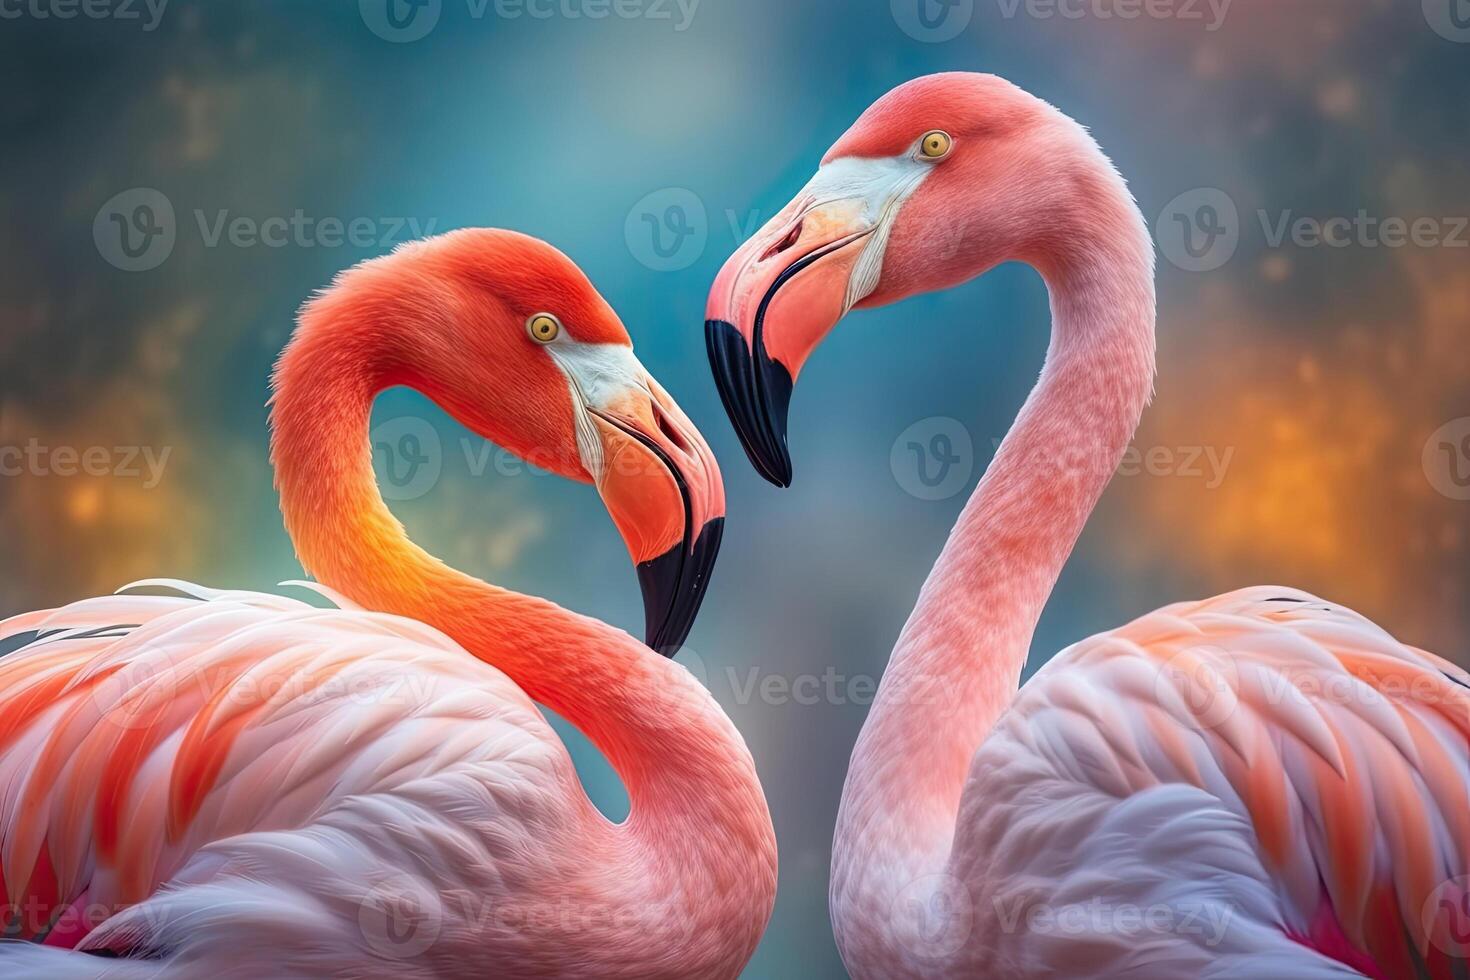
(1328,384)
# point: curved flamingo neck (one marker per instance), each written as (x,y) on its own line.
(957,663)
(698,835)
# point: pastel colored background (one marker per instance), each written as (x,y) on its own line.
(1310,425)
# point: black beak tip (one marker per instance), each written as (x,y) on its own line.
(674,585)
(756,392)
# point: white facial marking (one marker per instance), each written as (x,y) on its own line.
(882,184)
(598,374)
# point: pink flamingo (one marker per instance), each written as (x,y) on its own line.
(1258,785)
(230,784)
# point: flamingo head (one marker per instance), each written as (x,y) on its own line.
(519,347)
(939,180)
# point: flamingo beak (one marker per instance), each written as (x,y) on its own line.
(773,302)
(662,486)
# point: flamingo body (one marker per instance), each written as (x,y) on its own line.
(230,784)
(1261,784)
(1258,785)
(290,773)
(255,787)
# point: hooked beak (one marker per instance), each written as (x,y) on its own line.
(662,486)
(774,300)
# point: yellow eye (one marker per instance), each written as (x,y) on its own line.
(935,144)
(543,327)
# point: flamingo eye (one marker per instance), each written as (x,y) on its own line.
(543,327)
(935,144)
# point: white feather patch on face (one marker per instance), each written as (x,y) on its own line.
(882,184)
(598,375)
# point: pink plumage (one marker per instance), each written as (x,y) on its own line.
(1263,784)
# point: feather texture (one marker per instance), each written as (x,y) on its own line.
(244,785)
(1273,794)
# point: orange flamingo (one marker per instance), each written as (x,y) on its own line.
(230,784)
(1258,785)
